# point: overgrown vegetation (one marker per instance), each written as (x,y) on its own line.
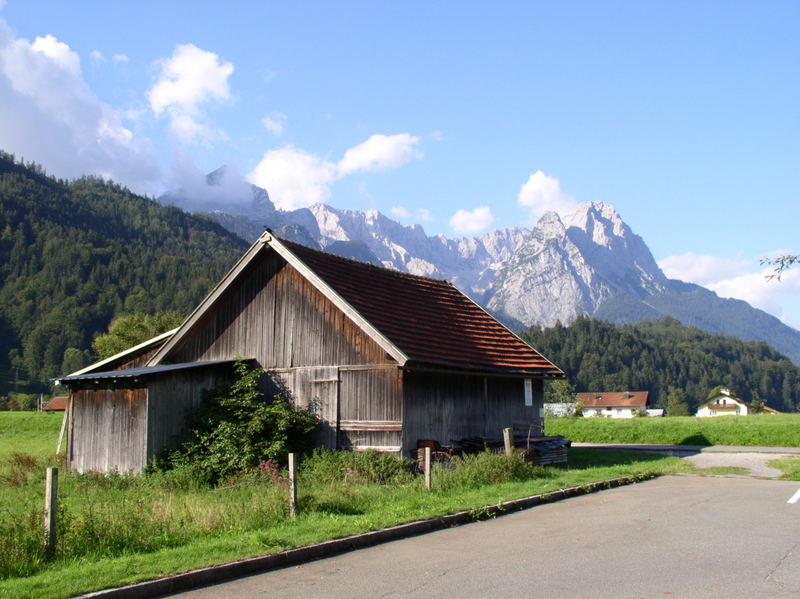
(238,429)
(117,529)
(790,467)
(76,254)
(777,430)
(656,355)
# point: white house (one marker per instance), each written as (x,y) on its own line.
(722,403)
(614,405)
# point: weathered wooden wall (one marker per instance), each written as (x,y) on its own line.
(446,407)
(108,429)
(278,318)
(371,409)
(360,406)
(171,398)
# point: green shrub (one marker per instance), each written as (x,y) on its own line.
(238,429)
(356,467)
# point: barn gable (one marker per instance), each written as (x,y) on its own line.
(414,320)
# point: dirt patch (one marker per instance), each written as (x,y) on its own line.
(754,463)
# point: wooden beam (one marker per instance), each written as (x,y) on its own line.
(371,425)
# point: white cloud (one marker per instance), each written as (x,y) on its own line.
(380,152)
(59,53)
(542,193)
(703,269)
(97,57)
(739,278)
(424,214)
(470,222)
(229,186)
(51,116)
(120,58)
(294,178)
(190,78)
(275,123)
(437,136)
(399,211)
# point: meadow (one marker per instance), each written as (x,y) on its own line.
(771,430)
(119,529)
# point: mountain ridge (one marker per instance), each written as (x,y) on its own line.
(588,262)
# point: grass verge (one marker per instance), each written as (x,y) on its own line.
(118,530)
(779,430)
(790,467)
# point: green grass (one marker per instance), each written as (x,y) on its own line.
(35,433)
(790,467)
(720,471)
(117,530)
(781,430)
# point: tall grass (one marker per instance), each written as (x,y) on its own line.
(779,430)
(165,522)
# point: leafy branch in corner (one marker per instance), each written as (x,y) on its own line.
(780,265)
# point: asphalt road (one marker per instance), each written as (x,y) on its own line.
(680,537)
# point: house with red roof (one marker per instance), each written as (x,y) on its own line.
(618,404)
(385,358)
(56,404)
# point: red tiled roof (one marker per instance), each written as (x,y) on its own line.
(624,399)
(429,320)
(57,404)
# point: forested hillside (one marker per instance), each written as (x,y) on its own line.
(654,355)
(74,254)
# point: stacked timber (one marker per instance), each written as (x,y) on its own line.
(539,450)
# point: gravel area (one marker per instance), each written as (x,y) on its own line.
(756,463)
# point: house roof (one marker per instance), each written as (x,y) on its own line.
(714,403)
(418,321)
(617,399)
(140,372)
(57,404)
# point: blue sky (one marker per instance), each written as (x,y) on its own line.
(460,116)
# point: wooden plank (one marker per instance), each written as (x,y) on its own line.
(370,425)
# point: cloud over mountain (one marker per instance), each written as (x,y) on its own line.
(51,116)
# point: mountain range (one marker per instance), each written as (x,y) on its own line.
(588,262)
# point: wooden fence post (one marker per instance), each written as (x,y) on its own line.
(428,468)
(50,512)
(507,441)
(292,486)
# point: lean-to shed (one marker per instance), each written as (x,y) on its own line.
(385,358)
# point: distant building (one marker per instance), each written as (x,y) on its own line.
(57,404)
(722,403)
(618,404)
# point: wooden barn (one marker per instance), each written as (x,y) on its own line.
(385,358)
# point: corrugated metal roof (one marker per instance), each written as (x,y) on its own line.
(140,372)
(623,399)
(124,355)
(429,320)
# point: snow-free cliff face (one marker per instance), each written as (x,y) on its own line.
(566,268)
